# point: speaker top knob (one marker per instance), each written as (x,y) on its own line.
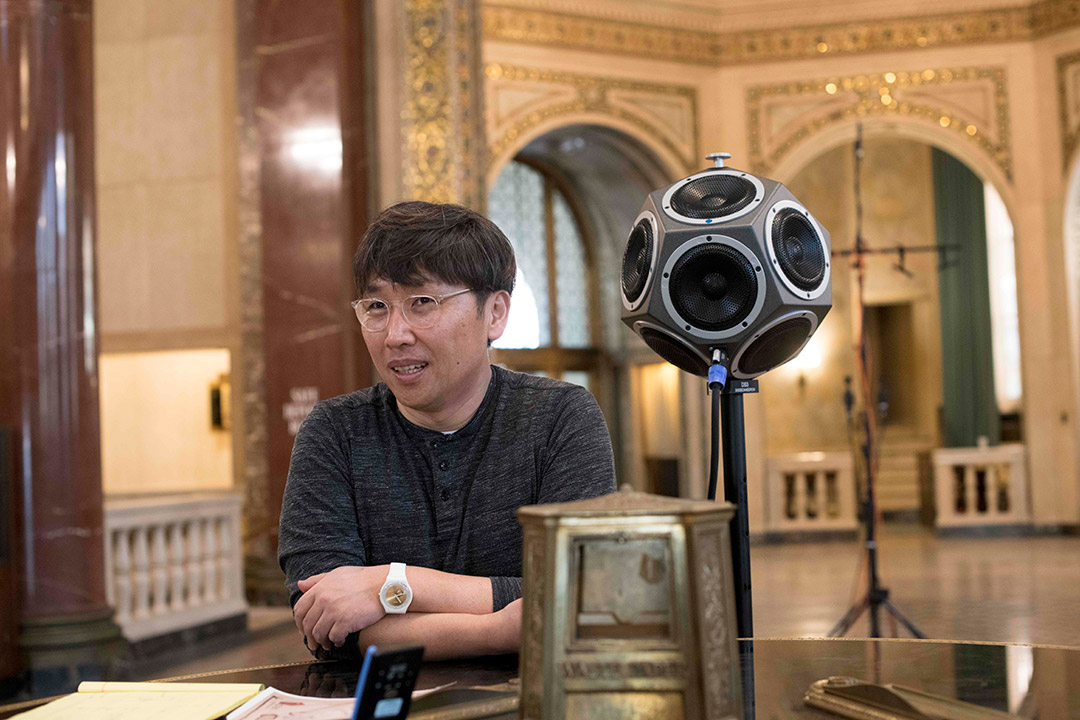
(718,158)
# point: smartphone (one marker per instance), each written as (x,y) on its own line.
(386,682)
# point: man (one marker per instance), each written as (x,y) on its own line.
(429,467)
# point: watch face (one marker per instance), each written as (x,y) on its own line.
(395,595)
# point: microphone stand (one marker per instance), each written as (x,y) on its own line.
(727,405)
(876,598)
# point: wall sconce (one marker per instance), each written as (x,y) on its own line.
(808,359)
(221,403)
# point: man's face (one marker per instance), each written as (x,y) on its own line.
(435,369)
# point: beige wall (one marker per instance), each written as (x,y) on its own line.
(898,210)
(155,422)
(659,410)
(1057,369)
(164,92)
(1034,196)
(1034,142)
(165,167)
(165,96)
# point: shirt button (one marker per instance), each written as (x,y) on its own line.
(445,494)
(443,465)
(434,443)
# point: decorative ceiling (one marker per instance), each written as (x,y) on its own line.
(730,15)
(702,33)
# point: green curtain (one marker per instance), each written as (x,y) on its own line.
(964,285)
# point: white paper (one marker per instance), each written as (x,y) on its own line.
(274,704)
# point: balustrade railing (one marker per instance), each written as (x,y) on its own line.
(173,562)
(981,486)
(811,491)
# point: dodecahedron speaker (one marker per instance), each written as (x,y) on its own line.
(723,260)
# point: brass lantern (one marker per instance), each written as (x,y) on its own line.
(628,610)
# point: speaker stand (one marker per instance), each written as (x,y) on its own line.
(727,406)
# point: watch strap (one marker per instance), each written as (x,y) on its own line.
(397,572)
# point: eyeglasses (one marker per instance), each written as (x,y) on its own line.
(419,311)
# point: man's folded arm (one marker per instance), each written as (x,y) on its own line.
(335,605)
(447,636)
(435,591)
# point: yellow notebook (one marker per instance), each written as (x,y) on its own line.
(162,701)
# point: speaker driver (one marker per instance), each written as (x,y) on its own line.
(713,196)
(797,249)
(774,345)
(672,349)
(713,286)
(639,259)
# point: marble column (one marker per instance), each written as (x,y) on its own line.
(48,336)
(303,204)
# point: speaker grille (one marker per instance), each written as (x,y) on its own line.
(775,347)
(674,352)
(713,196)
(799,250)
(713,287)
(637,260)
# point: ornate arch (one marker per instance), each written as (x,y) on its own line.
(1068,87)
(844,134)
(964,110)
(524,103)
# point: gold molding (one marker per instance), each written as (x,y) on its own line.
(551,29)
(1070,128)
(883,95)
(193,338)
(442,120)
(591,95)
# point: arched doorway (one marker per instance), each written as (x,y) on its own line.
(804,405)
(567,200)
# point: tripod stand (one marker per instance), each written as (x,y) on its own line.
(877,595)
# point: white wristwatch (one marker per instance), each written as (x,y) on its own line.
(396,595)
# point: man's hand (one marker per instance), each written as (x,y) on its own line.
(337,603)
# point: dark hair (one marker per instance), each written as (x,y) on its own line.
(413,242)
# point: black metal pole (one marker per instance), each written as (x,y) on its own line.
(873,588)
(734,441)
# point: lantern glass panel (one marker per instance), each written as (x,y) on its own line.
(617,605)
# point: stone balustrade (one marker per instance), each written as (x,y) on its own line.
(173,562)
(981,486)
(811,491)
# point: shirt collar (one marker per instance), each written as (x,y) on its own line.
(468,428)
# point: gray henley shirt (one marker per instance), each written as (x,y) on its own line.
(368,487)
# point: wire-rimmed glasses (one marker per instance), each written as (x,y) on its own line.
(419,311)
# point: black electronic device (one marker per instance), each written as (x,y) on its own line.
(385,685)
(727,276)
(724,260)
